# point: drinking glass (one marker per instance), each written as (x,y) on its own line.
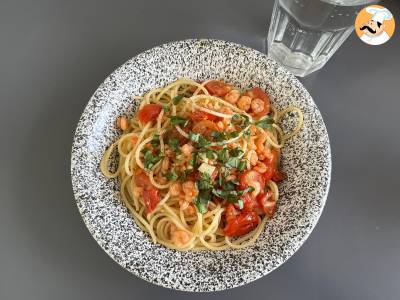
(304,34)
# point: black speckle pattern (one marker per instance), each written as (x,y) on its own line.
(306,159)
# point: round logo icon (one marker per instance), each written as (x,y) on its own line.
(375,25)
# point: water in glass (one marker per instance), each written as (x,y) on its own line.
(304,34)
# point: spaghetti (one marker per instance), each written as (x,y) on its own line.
(198,164)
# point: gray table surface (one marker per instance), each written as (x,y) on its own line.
(54,54)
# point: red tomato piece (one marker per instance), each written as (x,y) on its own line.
(205,127)
(142,180)
(218,88)
(271,163)
(239,223)
(199,115)
(267,202)
(230,212)
(249,203)
(279,176)
(151,199)
(149,112)
(248,178)
(257,92)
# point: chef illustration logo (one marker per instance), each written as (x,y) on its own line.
(375,25)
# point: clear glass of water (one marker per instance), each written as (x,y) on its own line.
(304,34)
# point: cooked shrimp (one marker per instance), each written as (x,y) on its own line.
(257,105)
(220,125)
(233,96)
(137,191)
(260,167)
(123,123)
(175,189)
(253,158)
(231,177)
(260,142)
(187,149)
(226,110)
(244,103)
(189,189)
(165,165)
(190,210)
(183,204)
(178,237)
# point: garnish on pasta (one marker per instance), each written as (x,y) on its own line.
(199,163)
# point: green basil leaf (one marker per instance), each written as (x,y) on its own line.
(165,108)
(240,203)
(236,152)
(265,123)
(201,201)
(233,162)
(223,156)
(193,161)
(204,182)
(155,141)
(150,160)
(172,175)
(173,143)
(175,120)
(211,154)
(240,120)
(242,165)
(177,99)
(199,139)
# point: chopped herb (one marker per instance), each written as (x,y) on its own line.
(199,139)
(175,120)
(242,165)
(204,182)
(205,187)
(211,154)
(184,174)
(155,141)
(233,162)
(221,137)
(172,175)
(201,201)
(240,120)
(173,143)
(229,185)
(177,99)
(236,152)
(232,196)
(240,203)
(193,161)
(265,123)
(150,160)
(165,108)
(223,155)
(218,136)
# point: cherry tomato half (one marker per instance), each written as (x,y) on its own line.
(218,88)
(151,199)
(249,203)
(205,127)
(267,202)
(271,163)
(241,223)
(149,112)
(250,179)
(142,180)
(199,115)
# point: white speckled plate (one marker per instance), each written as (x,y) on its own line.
(306,159)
